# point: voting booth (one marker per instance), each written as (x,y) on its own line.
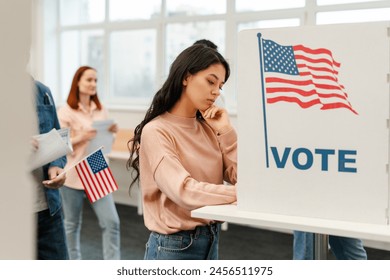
(313,130)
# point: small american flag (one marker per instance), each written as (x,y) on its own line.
(96,176)
(302,75)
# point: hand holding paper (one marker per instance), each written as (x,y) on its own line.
(104,136)
(49,147)
(84,135)
(113,128)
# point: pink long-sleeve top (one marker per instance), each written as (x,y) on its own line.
(78,120)
(183,164)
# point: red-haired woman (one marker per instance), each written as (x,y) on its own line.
(82,109)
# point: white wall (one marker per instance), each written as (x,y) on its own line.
(126,118)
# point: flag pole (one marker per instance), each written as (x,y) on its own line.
(69,168)
(264,100)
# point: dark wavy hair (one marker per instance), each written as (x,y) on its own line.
(195,58)
(207,43)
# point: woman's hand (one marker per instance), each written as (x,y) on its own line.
(55,181)
(217,118)
(84,135)
(113,128)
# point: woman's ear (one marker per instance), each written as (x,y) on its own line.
(185,80)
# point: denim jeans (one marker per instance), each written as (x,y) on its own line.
(344,248)
(51,236)
(198,244)
(108,218)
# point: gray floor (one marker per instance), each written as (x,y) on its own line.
(237,243)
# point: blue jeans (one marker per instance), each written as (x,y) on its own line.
(51,240)
(108,218)
(198,244)
(344,248)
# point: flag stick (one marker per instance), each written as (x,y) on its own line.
(264,100)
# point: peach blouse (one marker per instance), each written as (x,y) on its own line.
(183,164)
(78,120)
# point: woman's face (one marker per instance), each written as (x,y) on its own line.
(203,88)
(87,82)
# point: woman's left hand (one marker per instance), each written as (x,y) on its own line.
(55,181)
(217,118)
(113,128)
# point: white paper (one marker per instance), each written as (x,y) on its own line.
(51,146)
(103,137)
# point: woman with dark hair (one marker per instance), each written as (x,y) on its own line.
(82,109)
(188,150)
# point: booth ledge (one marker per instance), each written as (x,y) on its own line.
(231,213)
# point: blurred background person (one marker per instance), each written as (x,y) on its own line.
(82,109)
(343,248)
(51,241)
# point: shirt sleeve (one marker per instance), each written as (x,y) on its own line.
(178,185)
(174,180)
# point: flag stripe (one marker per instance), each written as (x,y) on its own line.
(316,52)
(111,177)
(303,83)
(304,80)
(85,181)
(316,69)
(337,105)
(108,178)
(91,180)
(314,61)
(275,84)
(319,77)
(107,182)
(313,51)
(100,178)
(302,104)
(109,185)
(89,195)
(275,91)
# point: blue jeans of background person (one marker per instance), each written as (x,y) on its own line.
(344,248)
(51,236)
(108,218)
(198,244)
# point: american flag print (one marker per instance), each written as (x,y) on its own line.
(96,176)
(301,75)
